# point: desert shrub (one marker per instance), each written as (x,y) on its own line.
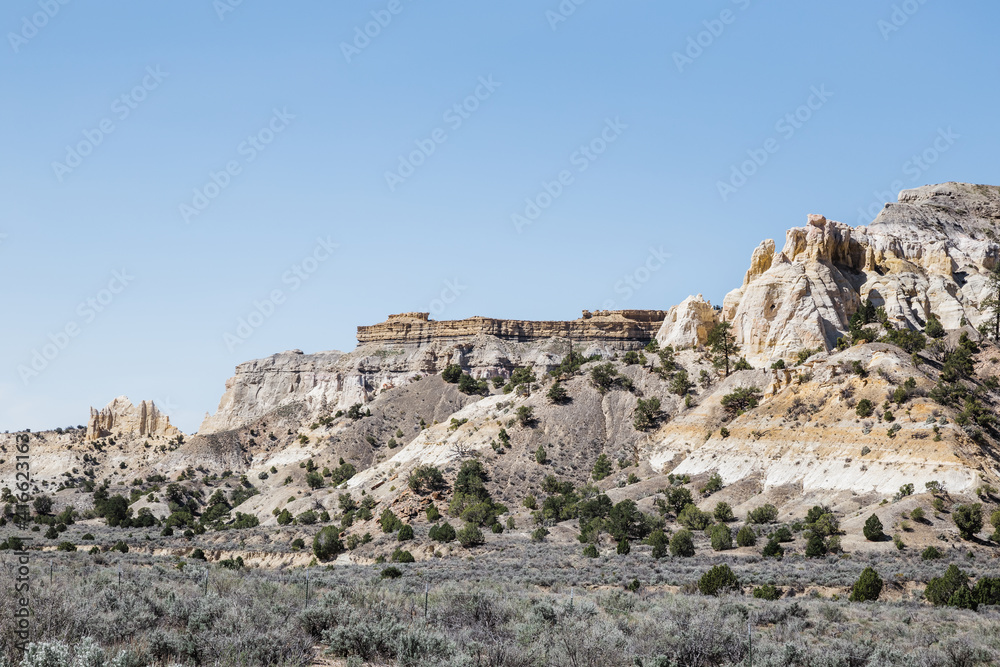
(766,592)
(391,572)
(298,543)
(713,484)
(557,393)
(470,536)
(720,579)
(389,521)
(873,529)
(867,587)
(525,415)
(864,408)
(661,545)
(602,468)
(951,589)
(590,551)
(694,519)
(783,534)
(678,498)
(443,533)
(746,537)
(773,549)
(402,556)
(723,513)
(741,400)
(968,519)
(764,514)
(452,373)
(469,385)
(816,546)
(327,544)
(722,537)
(682,544)
(405,533)
(987,591)
(624,547)
(647,412)
(66,546)
(426,478)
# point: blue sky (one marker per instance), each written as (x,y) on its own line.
(169,169)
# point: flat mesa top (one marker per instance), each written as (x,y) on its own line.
(621,324)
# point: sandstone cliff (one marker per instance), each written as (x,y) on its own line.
(121,418)
(610,327)
(928,253)
(410,345)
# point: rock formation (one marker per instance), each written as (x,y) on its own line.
(688,323)
(409,345)
(121,418)
(927,254)
(627,327)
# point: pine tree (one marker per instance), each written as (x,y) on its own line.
(722,342)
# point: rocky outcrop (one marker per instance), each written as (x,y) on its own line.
(411,345)
(121,418)
(627,327)
(929,253)
(688,323)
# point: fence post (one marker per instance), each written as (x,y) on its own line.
(427,593)
(749,643)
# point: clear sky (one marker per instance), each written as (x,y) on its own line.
(168,169)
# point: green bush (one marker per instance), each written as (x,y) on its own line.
(931,553)
(298,543)
(66,546)
(867,587)
(682,544)
(525,415)
(405,533)
(694,519)
(873,529)
(766,592)
(389,521)
(425,478)
(327,544)
(865,408)
(968,519)
(647,412)
(391,572)
(773,549)
(557,393)
(661,545)
(590,551)
(602,468)
(443,533)
(987,591)
(722,537)
(951,589)
(764,514)
(741,400)
(723,513)
(470,536)
(720,579)
(539,534)
(816,546)
(624,547)
(401,556)
(746,537)
(713,484)
(452,373)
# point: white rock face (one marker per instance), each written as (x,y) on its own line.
(121,418)
(329,381)
(927,254)
(688,323)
